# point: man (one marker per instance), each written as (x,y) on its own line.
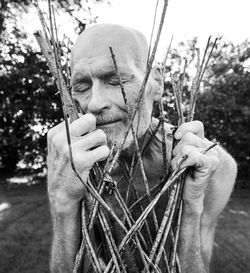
(96,88)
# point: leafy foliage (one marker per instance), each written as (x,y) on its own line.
(28,107)
(225,104)
(28,104)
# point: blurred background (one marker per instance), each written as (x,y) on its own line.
(29,106)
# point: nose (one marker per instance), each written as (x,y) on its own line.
(100,99)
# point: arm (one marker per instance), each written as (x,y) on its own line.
(65,190)
(206,193)
(66,236)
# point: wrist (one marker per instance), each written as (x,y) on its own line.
(193,207)
(63,205)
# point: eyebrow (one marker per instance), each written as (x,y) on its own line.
(103,74)
(111,74)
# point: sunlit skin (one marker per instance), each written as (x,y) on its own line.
(103,123)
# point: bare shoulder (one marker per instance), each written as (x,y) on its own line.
(222,181)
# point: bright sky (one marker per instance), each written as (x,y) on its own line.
(185,19)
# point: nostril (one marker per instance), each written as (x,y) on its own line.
(98,103)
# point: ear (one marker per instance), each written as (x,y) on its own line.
(158,85)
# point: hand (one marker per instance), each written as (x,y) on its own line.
(88,146)
(193,143)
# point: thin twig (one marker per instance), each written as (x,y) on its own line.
(176,238)
(163,224)
(152,31)
(163,66)
(112,245)
(48,53)
(90,249)
(143,86)
(145,180)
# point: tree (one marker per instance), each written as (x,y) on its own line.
(28,104)
(224,102)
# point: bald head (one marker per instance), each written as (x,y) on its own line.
(96,85)
(96,40)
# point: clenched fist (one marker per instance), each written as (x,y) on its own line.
(88,147)
(193,144)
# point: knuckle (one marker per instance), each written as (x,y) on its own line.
(199,124)
(56,141)
(186,149)
(50,135)
(188,137)
(54,130)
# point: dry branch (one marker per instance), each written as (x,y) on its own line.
(51,61)
(143,86)
(151,251)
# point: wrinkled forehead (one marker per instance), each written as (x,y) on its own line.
(128,45)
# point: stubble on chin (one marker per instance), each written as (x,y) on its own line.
(115,133)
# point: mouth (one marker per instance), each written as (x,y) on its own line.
(106,123)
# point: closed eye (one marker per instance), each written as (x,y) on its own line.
(82,87)
(115,80)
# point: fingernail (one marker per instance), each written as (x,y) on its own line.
(177,135)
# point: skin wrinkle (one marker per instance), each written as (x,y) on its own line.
(90,65)
(91,62)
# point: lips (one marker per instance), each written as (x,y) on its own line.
(104,123)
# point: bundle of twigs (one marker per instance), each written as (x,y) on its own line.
(151,248)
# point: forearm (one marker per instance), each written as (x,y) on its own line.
(190,249)
(66,236)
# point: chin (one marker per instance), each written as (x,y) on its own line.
(114,132)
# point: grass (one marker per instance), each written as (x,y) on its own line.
(25,231)
(232,240)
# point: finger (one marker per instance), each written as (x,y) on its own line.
(79,127)
(182,153)
(56,129)
(193,140)
(86,123)
(99,154)
(86,159)
(204,165)
(91,140)
(195,158)
(196,127)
